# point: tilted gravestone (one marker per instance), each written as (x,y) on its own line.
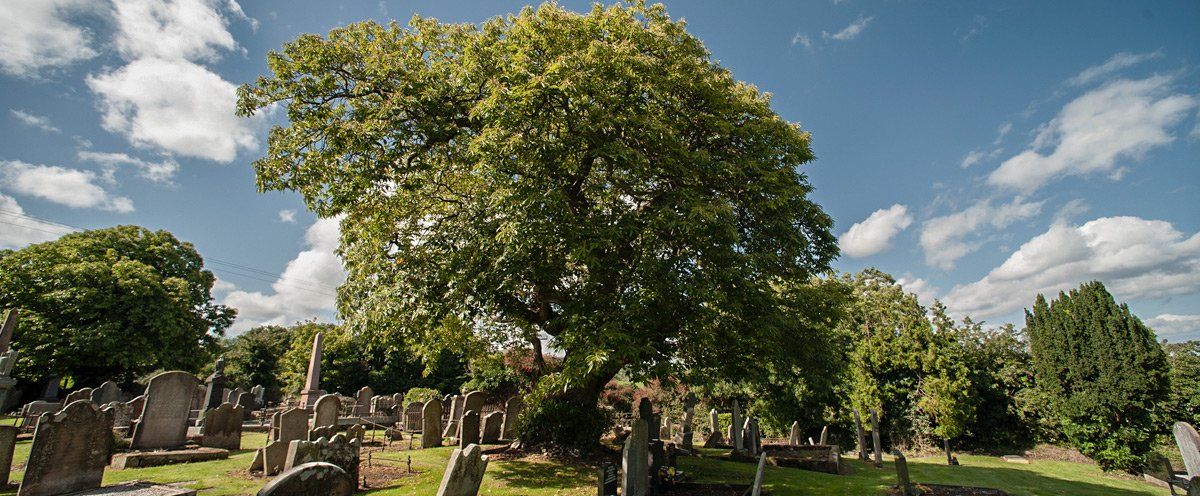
(794,435)
(362,401)
(69,452)
(735,434)
(455,415)
(309,479)
(756,490)
(78,394)
(325,413)
(339,450)
(903,482)
(824,436)
(862,438)
(431,431)
(271,458)
(493,423)
(1189,447)
(875,441)
(222,427)
(464,472)
(635,461)
(8,443)
(292,425)
(469,429)
(164,419)
(512,412)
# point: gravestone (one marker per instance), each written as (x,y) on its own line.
(735,434)
(84,394)
(635,461)
(689,414)
(1189,446)
(339,450)
(756,490)
(260,395)
(8,360)
(136,405)
(50,393)
(325,411)
(310,479)
(247,402)
(713,420)
(107,392)
(7,328)
(455,414)
(862,438)
(512,412)
(312,381)
(232,395)
(472,401)
(8,442)
(120,413)
(292,425)
(356,431)
(493,424)
(875,439)
(645,411)
(69,452)
(362,401)
(608,481)
(469,429)
(324,431)
(164,419)
(464,472)
(214,393)
(665,431)
(381,405)
(222,427)
(431,417)
(273,457)
(794,437)
(824,436)
(903,482)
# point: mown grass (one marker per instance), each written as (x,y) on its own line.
(541,478)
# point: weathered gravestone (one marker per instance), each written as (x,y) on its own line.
(512,412)
(311,479)
(464,473)
(735,434)
(271,458)
(105,393)
(136,405)
(875,439)
(164,419)
(756,490)
(120,413)
(455,414)
(903,482)
(290,425)
(339,450)
(608,481)
(32,411)
(260,395)
(469,429)
(794,435)
(493,423)
(431,431)
(689,414)
(362,401)
(247,403)
(824,436)
(214,392)
(645,411)
(69,452)
(862,438)
(84,394)
(312,381)
(356,431)
(8,442)
(714,430)
(381,405)
(325,412)
(1189,446)
(222,427)
(324,431)
(635,461)
(232,395)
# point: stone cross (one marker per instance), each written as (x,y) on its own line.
(222,427)
(464,472)
(512,412)
(635,461)
(875,439)
(69,452)
(311,478)
(164,419)
(735,435)
(312,382)
(1189,446)
(862,438)
(493,423)
(431,419)
(902,479)
(468,432)
(756,490)
(794,437)
(325,411)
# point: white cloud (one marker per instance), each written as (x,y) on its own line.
(802,40)
(875,234)
(71,187)
(37,36)
(972,158)
(173,29)
(1001,132)
(304,290)
(288,216)
(159,172)
(17,231)
(850,32)
(926,292)
(1133,257)
(1120,121)
(176,106)
(944,239)
(33,120)
(1113,65)
(1174,326)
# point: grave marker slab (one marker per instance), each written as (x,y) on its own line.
(512,412)
(222,427)
(469,429)
(362,401)
(493,423)
(794,436)
(756,490)
(316,478)
(214,392)
(325,412)
(904,483)
(875,441)
(464,472)
(8,443)
(293,425)
(608,481)
(635,461)
(164,419)
(735,433)
(1189,446)
(431,417)
(69,451)
(107,392)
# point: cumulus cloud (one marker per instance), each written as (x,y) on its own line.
(945,239)
(33,120)
(875,234)
(288,216)
(38,36)
(1118,122)
(17,231)
(174,105)
(1135,258)
(159,172)
(71,187)
(174,29)
(972,158)
(1114,64)
(925,291)
(850,32)
(306,288)
(802,40)
(1175,327)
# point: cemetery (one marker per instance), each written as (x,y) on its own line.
(575,255)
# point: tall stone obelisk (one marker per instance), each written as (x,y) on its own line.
(312,382)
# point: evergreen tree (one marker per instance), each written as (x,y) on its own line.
(1101,371)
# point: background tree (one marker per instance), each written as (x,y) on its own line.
(1183,402)
(594,178)
(254,358)
(1002,390)
(1102,372)
(111,303)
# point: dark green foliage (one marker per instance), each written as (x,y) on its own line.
(1183,403)
(111,303)
(255,358)
(504,374)
(1101,371)
(1001,380)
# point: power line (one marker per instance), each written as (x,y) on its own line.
(231,269)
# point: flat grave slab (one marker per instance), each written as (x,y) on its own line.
(817,458)
(1015,459)
(138,459)
(138,489)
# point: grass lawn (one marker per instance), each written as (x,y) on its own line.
(538,478)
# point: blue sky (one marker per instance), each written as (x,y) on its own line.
(980,151)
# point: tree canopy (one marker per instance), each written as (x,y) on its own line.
(595,179)
(112,303)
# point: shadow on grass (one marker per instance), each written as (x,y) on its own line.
(517,473)
(1013,480)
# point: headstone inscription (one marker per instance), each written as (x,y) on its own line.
(431,417)
(608,481)
(69,451)
(635,461)
(464,472)
(164,419)
(309,479)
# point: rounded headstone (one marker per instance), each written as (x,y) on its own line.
(311,478)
